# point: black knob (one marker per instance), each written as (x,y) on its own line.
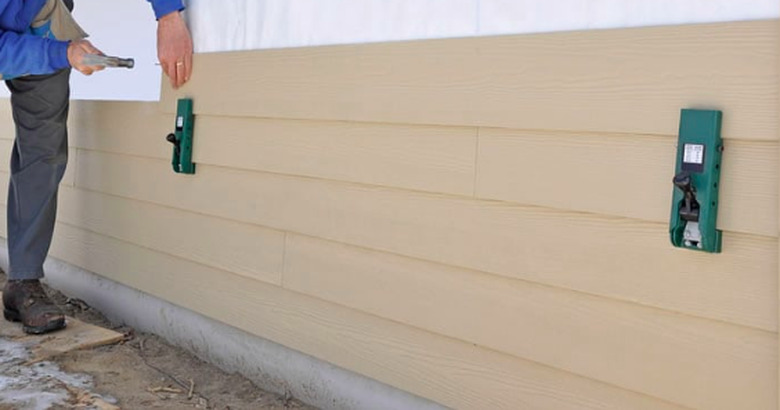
(172,139)
(681,181)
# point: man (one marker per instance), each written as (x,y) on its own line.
(39,44)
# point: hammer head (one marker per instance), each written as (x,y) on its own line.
(108,61)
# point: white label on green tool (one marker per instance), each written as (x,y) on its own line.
(693,154)
(179,122)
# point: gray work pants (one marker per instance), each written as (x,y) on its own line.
(40,109)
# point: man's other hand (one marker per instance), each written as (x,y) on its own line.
(77,49)
(174,48)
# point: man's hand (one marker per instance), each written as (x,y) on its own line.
(174,48)
(77,49)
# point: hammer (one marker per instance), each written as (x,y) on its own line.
(108,61)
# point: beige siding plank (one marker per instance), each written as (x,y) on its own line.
(622,175)
(69,179)
(695,362)
(4,182)
(240,248)
(7,136)
(619,258)
(438,159)
(624,80)
(130,128)
(88,125)
(133,128)
(7,129)
(777,164)
(451,372)
(6,148)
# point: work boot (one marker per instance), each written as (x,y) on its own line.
(25,301)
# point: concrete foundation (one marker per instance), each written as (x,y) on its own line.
(270,365)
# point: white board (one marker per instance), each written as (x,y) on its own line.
(256,24)
(127,27)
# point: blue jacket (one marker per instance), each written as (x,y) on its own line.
(23,52)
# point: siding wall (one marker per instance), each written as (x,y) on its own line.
(482,222)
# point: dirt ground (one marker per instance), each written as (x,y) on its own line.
(146,372)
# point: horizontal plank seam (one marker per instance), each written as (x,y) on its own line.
(428,331)
(446,125)
(475,182)
(75,164)
(441,195)
(391,252)
(333,122)
(576,212)
(494,276)
(157,250)
(285,244)
(562,132)
(613,134)
(124,154)
(267,172)
(189,211)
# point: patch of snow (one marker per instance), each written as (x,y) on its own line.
(33,387)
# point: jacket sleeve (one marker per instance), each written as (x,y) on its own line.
(29,54)
(163,7)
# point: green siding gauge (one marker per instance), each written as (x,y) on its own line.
(697,182)
(182,138)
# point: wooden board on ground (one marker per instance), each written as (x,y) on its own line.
(76,336)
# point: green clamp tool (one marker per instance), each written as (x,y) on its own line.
(182,138)
(696,181)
